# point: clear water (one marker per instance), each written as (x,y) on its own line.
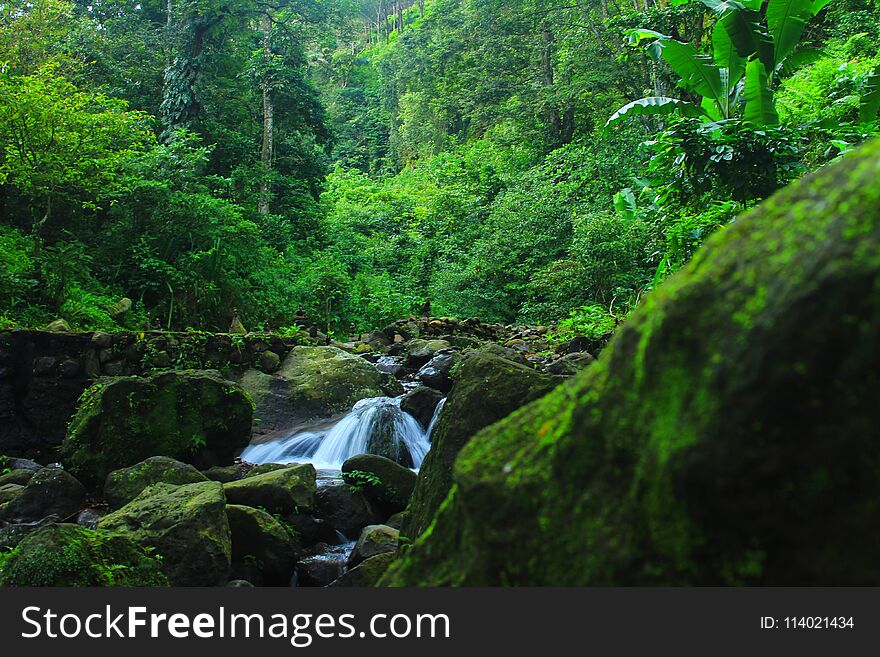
(329,448)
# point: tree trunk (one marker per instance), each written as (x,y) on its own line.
(552,112)
(268,148)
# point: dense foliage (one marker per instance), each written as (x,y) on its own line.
(355,157)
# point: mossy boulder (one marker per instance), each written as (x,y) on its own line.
(367,573)
(385,483)
(70,555)
(19,477)
(374,539)
(347,511)
(259,537)
(51,491)
(123,485)
(193,416)
(288,490)
(186,525)
(487,388)
(419,351)
(9,492)
(314,383)
(728,435)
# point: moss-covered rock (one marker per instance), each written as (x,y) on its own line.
(259,537)
(122,486)
(385,483)
(186,525)
(368,573)
(421,351)
(192,416)
(374,539)
(19,477)
(9,492)
(284,491)
(347,511)
(70,555)
(313,383)
(50,492)
(728,435)
(487,388)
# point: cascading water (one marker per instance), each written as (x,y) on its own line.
(434,419)
(374,426)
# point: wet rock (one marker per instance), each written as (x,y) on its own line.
(123,485)
(258,536)
(192,416)
(346,511)
(375,539)
(368,573)
(437,373)
(421,404)
(187,525)
(420,351)
(51,491)
(286,491)
(383,482)
(571,364)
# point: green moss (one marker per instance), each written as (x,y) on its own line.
(726,436)
(125,420)
(69,555)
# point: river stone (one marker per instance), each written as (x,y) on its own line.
(186,525)
(257,535)
(318,571)
(421,404)
(346,511)
(313,383)
(123,485)
(395,485)
(727,436)
(192,416)
(51,491)
(70,555)
(571,364)
(289,490)
(487,388)
(9,492)
(437,373)
(368,573)
(374,539)
(19,477)
(421,351)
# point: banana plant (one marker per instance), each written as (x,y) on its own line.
(750,49)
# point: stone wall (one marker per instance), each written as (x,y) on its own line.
(43,374)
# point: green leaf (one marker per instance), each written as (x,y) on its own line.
(747,33)
(760,108)
(869,104)
(655,105)
(697,71)
(787,20)
(819,5)
(799,59)
(727,57)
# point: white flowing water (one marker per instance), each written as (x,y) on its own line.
(372,423)
(434,418)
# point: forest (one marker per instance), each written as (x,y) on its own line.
(176,164)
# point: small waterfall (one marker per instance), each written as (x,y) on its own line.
(374,426)
(433,423)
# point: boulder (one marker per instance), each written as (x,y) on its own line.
(368,573)
(346,511)
(70,555)
(224,473)
(19,477)
(374,539)
(421,351)
(12,535)
(318,570)
(727,436)
(58,326)
(123,485)
(257,535)
(312,530)
(571,364)
(421,404)
(51,491)
(9,492)
(487,388)
(382,481)
(186,525)
(313,383)
(289,490)
(437,373)
(192,416)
